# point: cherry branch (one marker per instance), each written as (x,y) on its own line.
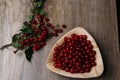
(5,46)
(18,49)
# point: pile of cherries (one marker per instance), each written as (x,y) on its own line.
(42,30)
(75,54)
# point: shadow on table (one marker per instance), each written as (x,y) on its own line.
(118,17)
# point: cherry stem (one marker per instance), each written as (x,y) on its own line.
(5,46)
(22,45)
(18,49)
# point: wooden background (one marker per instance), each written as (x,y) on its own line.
(97,16)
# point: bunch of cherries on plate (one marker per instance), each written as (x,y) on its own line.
(75,54)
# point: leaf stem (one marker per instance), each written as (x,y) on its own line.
(5,46)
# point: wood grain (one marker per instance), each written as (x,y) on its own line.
(97,16)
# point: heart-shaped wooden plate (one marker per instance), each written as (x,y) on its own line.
(95,72)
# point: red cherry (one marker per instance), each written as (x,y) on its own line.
(84,36)
(31,39)
(52,34)
(56,34)
(76,53)
(66,61)
(88,42)
(65,38)
(34,21)
(73,35)
(56,49)
(60,30)
(64,26)
(25,35)
(26,40)
(43,28)
(28,44)
(46,19)
(94,64)
(39,16)
(44,43)
(94,52)
(36,30)
(34,48)
(82,71)
(35,39)
(21,42)
(66,69)
(42,23)
(93,58)
(87,70)
(72,70)
(52,27)
(48,24)
(55,65)
(59,65)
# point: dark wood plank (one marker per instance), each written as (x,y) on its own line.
(99,18)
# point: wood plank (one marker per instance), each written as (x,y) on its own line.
(97,16)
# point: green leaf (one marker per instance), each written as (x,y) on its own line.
(36,0)
(30,17)
(26,28)
(16,44)
(16,37)
(42,12)
(28,53)
(39,4)
(26,23)
(27,31)
(36,11)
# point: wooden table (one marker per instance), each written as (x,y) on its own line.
(97,16)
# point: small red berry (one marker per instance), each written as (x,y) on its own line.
(76,53)
(66,69)
(87,70)
(56,49)
(43,28)
(52,27)
(64,26)
(34,21)
(52,34)
(35,39)
(84,36)
(31,39)
(42,23)
(72,70)
(36,30)
(94,64)
(56,34)
(34,48)
(46,19)
(28,44)
(60,30)
(48,24)
(21,42)
(26,40)
(39,16)
(65,38)
(39,39)
(55,65)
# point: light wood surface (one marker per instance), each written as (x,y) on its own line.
(98,17)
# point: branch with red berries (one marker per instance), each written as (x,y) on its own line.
(34,33)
